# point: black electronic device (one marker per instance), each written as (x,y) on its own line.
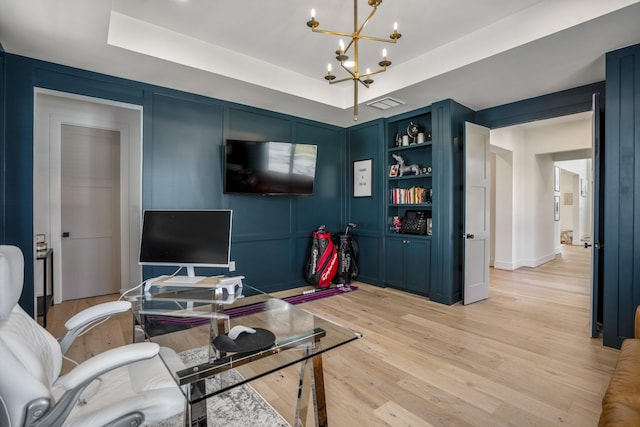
(415,222)
(274,168)
(187,238)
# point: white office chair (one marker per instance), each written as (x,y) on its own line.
(125,386)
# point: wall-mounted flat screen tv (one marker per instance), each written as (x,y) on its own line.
(254,167)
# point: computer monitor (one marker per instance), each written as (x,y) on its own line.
(186,238)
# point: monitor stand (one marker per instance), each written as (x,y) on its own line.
(191,271)
(190,278)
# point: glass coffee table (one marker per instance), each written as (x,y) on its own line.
(229,334)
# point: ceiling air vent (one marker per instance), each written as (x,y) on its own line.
(385,103)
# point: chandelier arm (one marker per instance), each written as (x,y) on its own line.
(344,67)
(341,80)
(378,71)
(346,49)
(364,24)
(334,33)
(363,83)
(378,39)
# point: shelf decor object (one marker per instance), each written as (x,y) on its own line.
(341,54)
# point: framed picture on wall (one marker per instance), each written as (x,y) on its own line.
(556,178)
(556,208)
(583,187)
(362,186)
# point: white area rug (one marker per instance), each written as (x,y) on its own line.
(241,406)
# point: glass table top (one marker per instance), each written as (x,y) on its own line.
(199,323)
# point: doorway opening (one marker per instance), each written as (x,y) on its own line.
(524,158)
(54,113)
(542,195)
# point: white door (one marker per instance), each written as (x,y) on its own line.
(476,216)
(90,205)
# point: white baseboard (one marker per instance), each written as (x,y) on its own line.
(532,263)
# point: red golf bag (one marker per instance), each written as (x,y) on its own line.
(323,259)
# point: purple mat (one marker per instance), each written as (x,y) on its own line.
(310,295)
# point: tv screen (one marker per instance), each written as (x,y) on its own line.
(269,167)
(187,238)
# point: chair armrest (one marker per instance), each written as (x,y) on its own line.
(87,317)
(96,312)
(105,362)
(73,384)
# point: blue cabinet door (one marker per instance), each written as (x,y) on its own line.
(418,265)
(409,264)
(395,260)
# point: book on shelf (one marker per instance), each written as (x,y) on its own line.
(410,196)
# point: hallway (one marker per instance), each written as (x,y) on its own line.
(565,280)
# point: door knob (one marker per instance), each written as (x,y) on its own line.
(469,236)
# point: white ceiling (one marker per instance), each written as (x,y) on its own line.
(480,53)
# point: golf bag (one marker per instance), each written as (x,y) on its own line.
(347,257)
(323,259)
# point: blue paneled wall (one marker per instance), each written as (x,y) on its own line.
(3,154)
(183,138)
(365,142)
(621,195)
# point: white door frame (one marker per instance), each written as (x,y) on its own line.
(52,109)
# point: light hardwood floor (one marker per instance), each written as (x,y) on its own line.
(524,357)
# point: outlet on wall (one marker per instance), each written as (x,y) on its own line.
(232,266)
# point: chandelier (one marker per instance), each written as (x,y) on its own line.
(342,57)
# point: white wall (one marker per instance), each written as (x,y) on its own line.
(509,190)
(531,233)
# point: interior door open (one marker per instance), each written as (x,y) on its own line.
(477,186)
(598,209)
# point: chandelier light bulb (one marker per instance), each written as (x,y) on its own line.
(368,80)
(395,35)
(341,44)
(329,77)
(385,62)
(312,23)
(395,24)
